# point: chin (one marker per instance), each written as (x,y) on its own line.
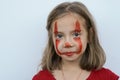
(71,58)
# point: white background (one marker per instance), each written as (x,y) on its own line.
(23,35)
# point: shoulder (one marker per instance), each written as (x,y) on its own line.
(43,75)
(103,73)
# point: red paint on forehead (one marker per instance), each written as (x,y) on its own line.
(77,26)
(55,28)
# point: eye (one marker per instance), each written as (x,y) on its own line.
(76,34)
(59,36)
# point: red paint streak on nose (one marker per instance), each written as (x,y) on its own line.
(56,41)
(78,40)
(77,26)
(67,44)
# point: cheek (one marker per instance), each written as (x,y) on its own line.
(79,42)
(57,44)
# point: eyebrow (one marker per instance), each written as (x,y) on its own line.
(70,31)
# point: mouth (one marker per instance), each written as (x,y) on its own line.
(69,53)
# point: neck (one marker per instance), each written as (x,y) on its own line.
(71,68)
(70,65)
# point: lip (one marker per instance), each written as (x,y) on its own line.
(69,53)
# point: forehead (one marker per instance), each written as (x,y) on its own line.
(68,22)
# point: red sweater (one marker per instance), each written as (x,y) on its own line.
(102,74)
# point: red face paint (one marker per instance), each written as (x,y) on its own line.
(57,41)
(77,26)
(78,40)
(67,45)
(55,28)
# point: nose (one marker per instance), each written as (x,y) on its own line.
(68,43)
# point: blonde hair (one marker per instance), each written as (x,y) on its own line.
(93,57)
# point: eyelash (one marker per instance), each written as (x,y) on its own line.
(76,34)
(59,36)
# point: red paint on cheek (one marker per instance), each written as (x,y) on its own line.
(56,41)
(78,40)
(77,26)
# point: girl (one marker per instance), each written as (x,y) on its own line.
(73,51)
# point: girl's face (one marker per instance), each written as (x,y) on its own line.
(69,37)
